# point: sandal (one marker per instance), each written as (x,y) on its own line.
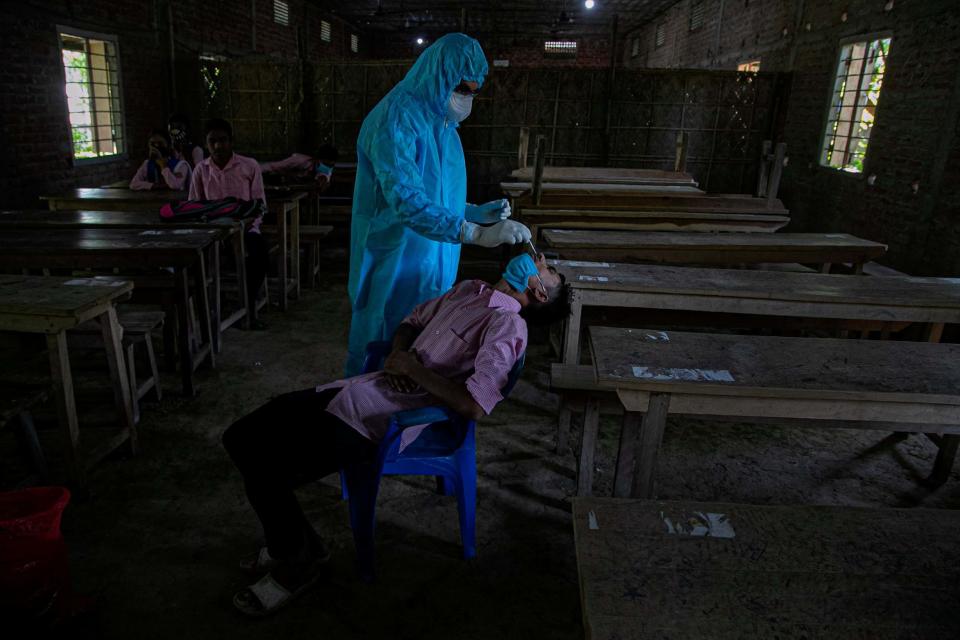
(267,596)
(262,562)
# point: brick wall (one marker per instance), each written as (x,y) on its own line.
(37,155)
(915,138)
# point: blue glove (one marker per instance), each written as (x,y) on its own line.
(493,211)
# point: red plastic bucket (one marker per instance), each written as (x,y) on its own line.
(33,554)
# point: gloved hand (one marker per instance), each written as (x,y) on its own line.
(506,232)
(493,211)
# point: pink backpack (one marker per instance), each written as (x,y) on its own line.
(206,210)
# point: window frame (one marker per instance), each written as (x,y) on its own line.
(702,6)
(843,42)
(661,27)
(328,30)
(354,43)
(285,12)
(67,30)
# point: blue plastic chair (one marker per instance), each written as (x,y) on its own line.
(445,449)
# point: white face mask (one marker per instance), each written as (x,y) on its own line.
(459,107)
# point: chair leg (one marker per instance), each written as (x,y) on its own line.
(132,381)
(154,370)
(466,489)
(363,483)
(445,487)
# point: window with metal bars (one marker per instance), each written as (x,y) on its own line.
(91,71)
(281,12)
(697,14)
(660,38)
(853,103)
(324,31)
(560,48)
(354,43)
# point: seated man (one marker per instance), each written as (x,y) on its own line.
(456,350)
(227,174)
(300,166)
(162,169)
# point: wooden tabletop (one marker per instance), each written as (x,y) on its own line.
(44,304)
(763,366)
(625,219)
(106,219)
(712,248)
(114,194)
(670,569)
(517,189)
(710,203)
(605,175)
(885,293)
(105,247)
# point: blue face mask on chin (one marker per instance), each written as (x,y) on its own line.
(519,271)
(323,170)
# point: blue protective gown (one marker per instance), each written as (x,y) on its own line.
(410,195)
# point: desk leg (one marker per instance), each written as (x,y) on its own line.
(62,380)
(295,238)
(825,267)
(571,340)
(247,298)
(217,310)
(111,331)
(651,435)
(206,331)
(627,455)
(283,234)
(933,332)
(588,446)
(184,329)
(563,424)
(943,465)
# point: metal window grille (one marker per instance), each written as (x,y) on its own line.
(660,38)
(635,50)
(853,104)
(91,69)
(697,14)
(324,31)
(560,48)
(354,43)
(281,12)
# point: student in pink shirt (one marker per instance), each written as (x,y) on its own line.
(178,126)
(456,350)
(162,169)
(227,174)
(300,166)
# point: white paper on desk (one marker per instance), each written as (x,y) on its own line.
(687,375)
(585,278)
(700,524)
(151,232)
(595,265)
(91,282)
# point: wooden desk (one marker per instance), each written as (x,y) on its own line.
(605,175)
(51,306)
(113,199)
(624,220)
(659,203)
(119,184)
(230,230)
(933,301)
(180,249)
(911,387)
(823,249)
(596,189)
(669,569)
(282,205)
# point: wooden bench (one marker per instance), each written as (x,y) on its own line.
(310,235)
(672,569)
(907,387)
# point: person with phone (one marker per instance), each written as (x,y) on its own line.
(162,169)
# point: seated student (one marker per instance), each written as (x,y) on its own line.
(162,169)
(225,174)
(319,166)
(456,350)
(178,126)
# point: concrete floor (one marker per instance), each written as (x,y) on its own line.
(158,542)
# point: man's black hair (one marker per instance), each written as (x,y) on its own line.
(557,308)
(327,152)
(218,124)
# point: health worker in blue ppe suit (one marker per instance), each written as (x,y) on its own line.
(410,214)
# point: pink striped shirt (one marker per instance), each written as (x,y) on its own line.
(240,178)
(473,333)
